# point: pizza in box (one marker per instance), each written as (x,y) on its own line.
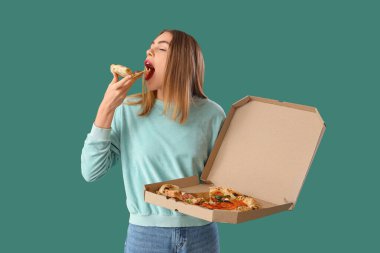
(221,198)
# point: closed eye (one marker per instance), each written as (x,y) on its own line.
(161,49)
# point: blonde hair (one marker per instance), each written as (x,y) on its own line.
(183,78)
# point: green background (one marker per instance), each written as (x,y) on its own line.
(55,58)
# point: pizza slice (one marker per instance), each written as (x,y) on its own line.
(124,71)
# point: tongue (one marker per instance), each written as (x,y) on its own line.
(149,74)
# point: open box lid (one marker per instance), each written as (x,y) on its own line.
(265,149)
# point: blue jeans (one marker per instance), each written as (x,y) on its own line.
(143,239)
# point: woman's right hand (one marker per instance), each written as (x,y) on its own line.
(117,91)
(114,96)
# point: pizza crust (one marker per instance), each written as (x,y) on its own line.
(249,201)
(169,190)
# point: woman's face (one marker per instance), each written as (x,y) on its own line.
(156,59)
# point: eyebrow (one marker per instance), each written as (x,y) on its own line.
(162,41)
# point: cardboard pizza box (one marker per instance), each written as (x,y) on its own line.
(264,150)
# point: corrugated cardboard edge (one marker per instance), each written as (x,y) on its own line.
(283,103)
(255,214)
(235,217)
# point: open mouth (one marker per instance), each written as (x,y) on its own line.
(149,70)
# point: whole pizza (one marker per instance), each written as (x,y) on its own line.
(217,198)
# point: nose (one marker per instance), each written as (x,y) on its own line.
(149,52)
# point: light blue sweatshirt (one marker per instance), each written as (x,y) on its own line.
(153,149)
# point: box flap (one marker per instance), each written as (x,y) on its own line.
(265,149)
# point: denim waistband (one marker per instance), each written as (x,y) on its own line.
(166,220)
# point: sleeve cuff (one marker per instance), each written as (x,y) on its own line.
(99,133)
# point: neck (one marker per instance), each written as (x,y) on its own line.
(160,94)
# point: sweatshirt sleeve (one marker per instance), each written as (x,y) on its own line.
(101,150)
(216,126)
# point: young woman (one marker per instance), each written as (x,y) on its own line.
(165,132)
